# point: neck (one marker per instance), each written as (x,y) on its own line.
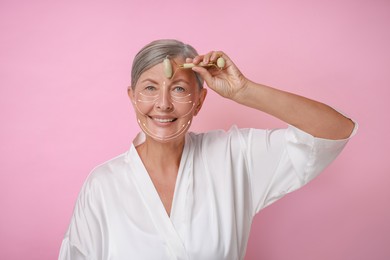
(160,155)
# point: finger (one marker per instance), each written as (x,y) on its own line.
(215,55)
(206,57)
(197,59)
(189,60)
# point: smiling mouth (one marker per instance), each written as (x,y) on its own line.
(164,120)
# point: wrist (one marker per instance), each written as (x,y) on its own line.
(244,90)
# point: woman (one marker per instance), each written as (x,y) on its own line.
(180,195)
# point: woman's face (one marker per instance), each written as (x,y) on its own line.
(165,107)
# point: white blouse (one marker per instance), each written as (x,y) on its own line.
(224,179)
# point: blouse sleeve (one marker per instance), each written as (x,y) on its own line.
(281,161)
(71,252)
(85,229)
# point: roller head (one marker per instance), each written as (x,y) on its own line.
(220,62)
(167,66)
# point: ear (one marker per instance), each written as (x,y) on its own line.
(202,97)
(130,93)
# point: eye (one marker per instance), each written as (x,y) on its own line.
(179,89)
(150,88)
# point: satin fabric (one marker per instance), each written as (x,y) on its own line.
(224,179)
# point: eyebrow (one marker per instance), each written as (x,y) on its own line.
(173,82)
(180,80)
(149,80)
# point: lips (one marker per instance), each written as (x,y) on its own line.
(164,120)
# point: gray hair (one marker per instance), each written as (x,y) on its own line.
(155,52)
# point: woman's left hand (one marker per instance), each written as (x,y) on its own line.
(227,81)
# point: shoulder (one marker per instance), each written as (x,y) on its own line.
(107,171)
(233,136)
(219,135)
(223,142)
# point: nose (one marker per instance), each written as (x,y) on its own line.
(164,101)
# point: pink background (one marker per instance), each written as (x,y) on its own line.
(64,68)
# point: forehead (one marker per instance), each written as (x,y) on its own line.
(156,73)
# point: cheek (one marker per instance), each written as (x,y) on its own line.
(183,109)
(143,107)
(184,105)
(143,104)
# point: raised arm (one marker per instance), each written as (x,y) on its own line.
(315,118)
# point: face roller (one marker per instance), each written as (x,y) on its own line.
(168,70)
